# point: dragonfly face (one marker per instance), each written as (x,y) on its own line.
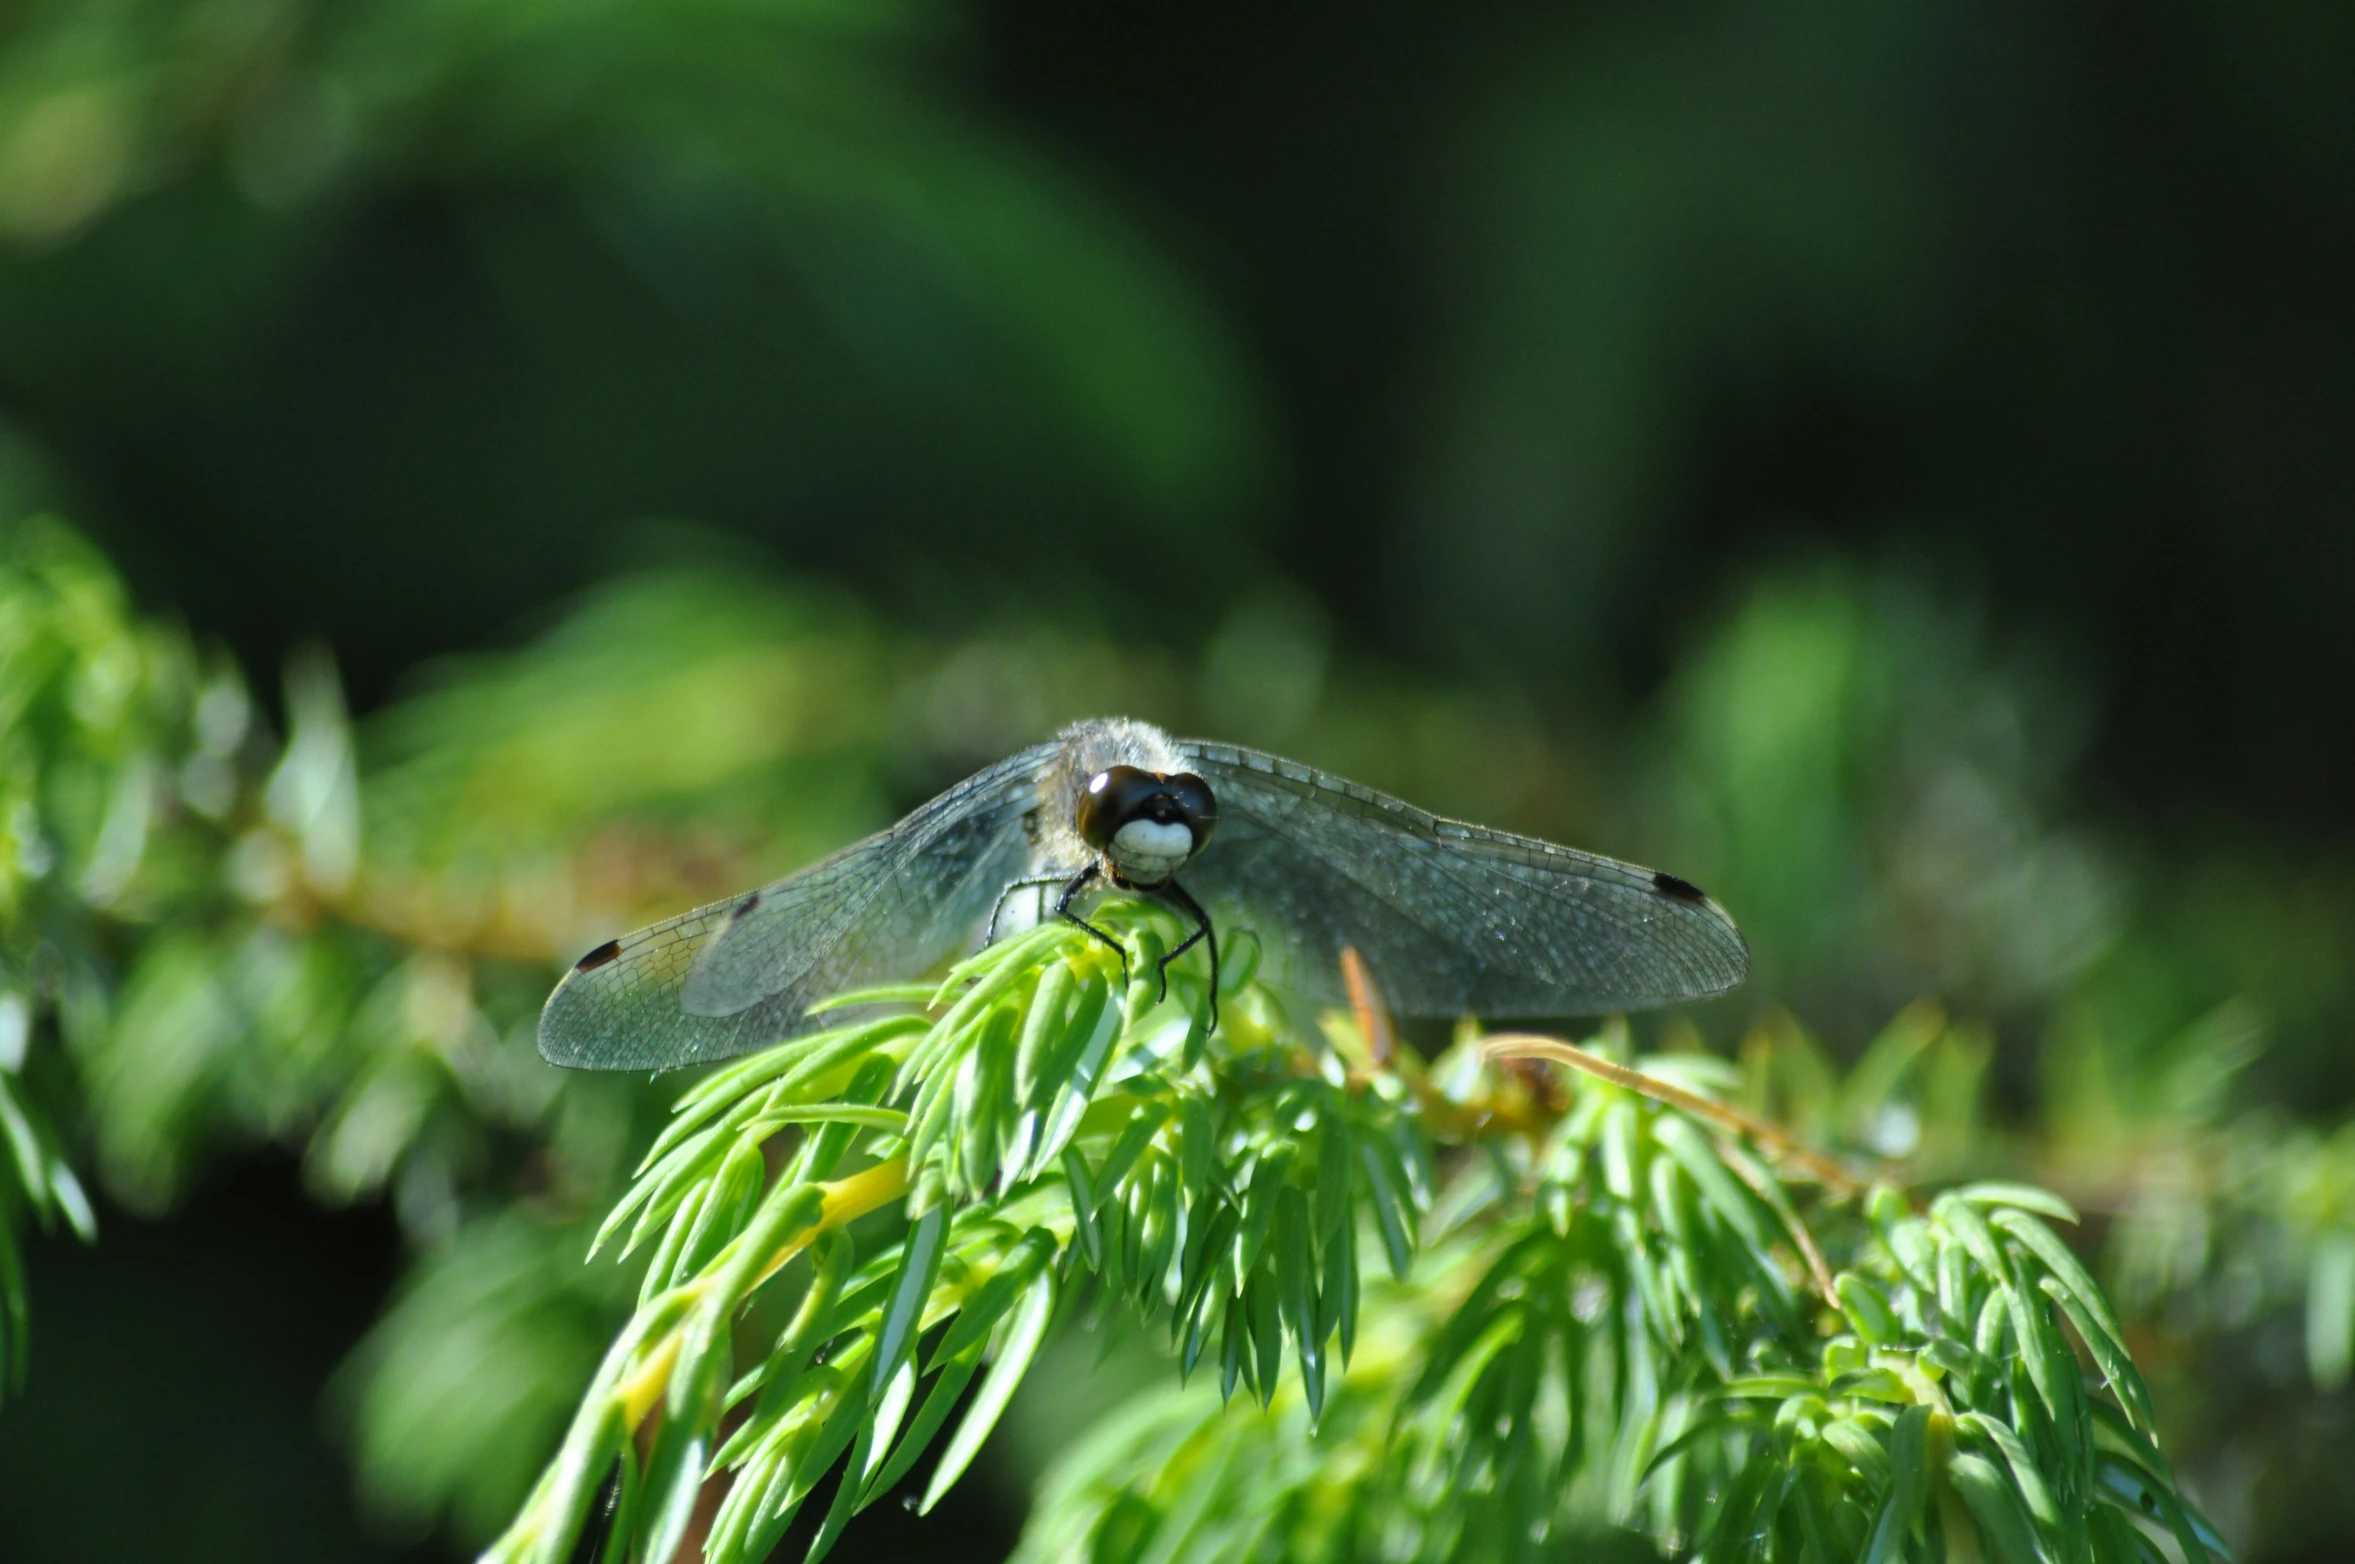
(1451,918)
(1145,823)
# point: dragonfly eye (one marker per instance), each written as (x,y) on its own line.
(1114,798)
(1196,805)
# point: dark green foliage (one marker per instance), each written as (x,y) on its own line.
(1512,343)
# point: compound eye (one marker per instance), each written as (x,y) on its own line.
(1197,805)
(1111,801)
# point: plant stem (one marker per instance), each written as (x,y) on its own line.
(1516,1045)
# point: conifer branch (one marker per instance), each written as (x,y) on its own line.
(1595,1310)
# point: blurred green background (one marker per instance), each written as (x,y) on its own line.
(535,464)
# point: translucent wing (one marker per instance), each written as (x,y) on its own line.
(740,974)
(1454,919)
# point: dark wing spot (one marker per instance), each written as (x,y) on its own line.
(1670,885)
(744,909)
(598,957)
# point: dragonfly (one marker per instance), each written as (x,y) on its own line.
(1454,919)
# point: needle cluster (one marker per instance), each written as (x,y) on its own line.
(1602,1303)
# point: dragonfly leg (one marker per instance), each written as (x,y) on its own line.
(598,1526)
(1072,887)
(1170,890)
(998,909)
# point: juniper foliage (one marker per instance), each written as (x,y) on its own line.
(1470,1311)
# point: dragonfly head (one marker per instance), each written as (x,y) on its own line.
(1146,823)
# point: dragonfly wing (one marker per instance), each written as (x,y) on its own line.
(1454,919)
(737,975)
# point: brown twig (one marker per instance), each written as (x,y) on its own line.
(1770,1138)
